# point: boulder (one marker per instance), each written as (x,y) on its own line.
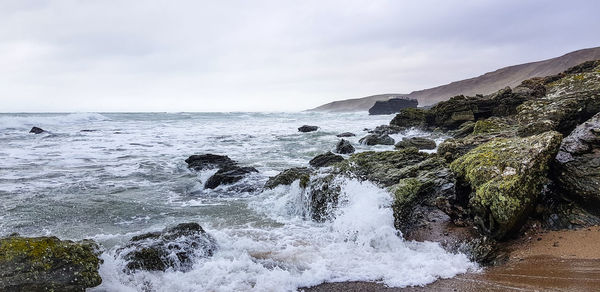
(324,160)
(48,264)
(288,176)
(323,193)
(36,130)
(409,117)
(393,105)
(344,147)
(386,130)
(307,128)
(374,139)
(503,179)
(345,135)
(227,175)
(577,167)
(418,142)
(207,161)
(173,248)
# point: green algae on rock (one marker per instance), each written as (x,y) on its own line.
(506,177)
(288,176)
(48,264)
(418,142)
(409,117)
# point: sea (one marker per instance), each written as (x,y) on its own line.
(111,176)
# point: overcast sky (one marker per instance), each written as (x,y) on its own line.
(266,55)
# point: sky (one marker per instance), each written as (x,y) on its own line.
(171,56)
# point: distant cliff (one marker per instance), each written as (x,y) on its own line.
(355,104)
(392,105)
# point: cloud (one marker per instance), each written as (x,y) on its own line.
(265,55)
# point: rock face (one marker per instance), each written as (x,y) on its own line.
(36,130)
(375,139)
(409,117)
(345,134)
(344,147)
(324,160)
(418,142)
(228,175)
(173,248)
(504,178)
(288,176)
(307,128)
(393,105)
(48,264)
(577,167)
(206,161)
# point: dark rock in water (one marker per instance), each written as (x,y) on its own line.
(36,130)
(288,176)
(323,160)
(206,161)
(173,248)
(386,130)
(344,147)
(307,128)
(393,105)
(409,117)
(345,134)
(227,175)
(323,197)
(48,264)
(418,142)
(577,167)
(374,139)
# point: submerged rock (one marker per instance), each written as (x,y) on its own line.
(418,142)
(289,176)
(345,134)
(393,105)
(409,117)
(374,139)
(324,160)
(504,178)
(36,130)
(207,161)
(307,128)
(173,248)
(344,147)
(227,175)
(48,264)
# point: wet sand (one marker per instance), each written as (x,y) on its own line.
(540,261)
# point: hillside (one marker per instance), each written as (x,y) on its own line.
(355,104)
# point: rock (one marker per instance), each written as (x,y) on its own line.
(577,167)
(345,134)
(503,179)
(324,160)
(36,130)
(307,128)
(374,139)
(393,105)
(386,130)
(48,264)
(227,175)
(344,147)
(288,176)
(207,161)
(173,248)
(409,117)
(418,142)
(323,197)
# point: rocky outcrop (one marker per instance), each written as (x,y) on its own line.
(344,147)
(375,139)
(409,117)
(345,135)
(577,167)
(504,178)
(289,176)
(392,105)
(227,175)
(323,194)
(418,142)
(207,161)
(48,264)
(324,160)
(174,248)
(307,128)
(36,130)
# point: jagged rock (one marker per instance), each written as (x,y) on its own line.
(393,105)
(409,117)
(48,264)
(345,135)
(577,167)
(324,160)
(418,142)
(374,139)
(206,161)
(288,176)
(386,130)
(504,178)
(227,175)
(173,248)
(323,197)
(36,130)
(307,128)
(344,147)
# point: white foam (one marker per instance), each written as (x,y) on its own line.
(26,121)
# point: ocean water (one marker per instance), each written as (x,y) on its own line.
(109,177)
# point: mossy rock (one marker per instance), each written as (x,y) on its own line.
(323,197)
(506,177)
(48,264)
(288,176)
(418,142)
(409,117)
